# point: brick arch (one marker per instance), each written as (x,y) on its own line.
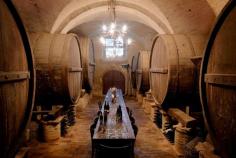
(75,14)
(113,78)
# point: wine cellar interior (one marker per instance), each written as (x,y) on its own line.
(117,78)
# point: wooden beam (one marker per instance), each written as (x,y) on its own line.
(196,60)
(221,79)
(75,69)
(159,70)
(41,112)
(14,76)
(182,117)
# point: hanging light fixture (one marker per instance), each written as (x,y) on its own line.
(112,30)
(129,41)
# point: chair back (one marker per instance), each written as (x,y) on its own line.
(129,111)
(92,128)
(114,150)
(135,128)
(132,120)
(99,105)
(95,120)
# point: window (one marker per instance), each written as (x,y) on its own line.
(114,47)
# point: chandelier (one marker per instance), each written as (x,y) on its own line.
(113,30)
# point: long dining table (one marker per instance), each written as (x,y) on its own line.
(113,132)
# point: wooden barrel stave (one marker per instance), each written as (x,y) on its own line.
(218,83)
(58,68)
(17,81)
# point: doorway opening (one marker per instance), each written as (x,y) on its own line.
(113,78)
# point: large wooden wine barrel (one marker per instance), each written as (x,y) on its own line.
(218,83)
(88,62)
(142,72)
(171,70)
(133,67)
(58,68)
(17,80)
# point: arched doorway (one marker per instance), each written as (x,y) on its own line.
(113,78)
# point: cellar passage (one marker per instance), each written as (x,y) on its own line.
(117,78)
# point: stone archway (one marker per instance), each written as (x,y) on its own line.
(113,78)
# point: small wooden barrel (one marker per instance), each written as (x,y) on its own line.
(133,71)
(88,62)
(142,72)
(171,71)
(58,68)
(17,80)
(218,83)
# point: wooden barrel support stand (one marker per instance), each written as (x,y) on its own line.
(17,80)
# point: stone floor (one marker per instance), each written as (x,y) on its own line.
(150,142)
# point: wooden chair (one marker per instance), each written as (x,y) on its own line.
(114,151)
(99,105)
(95,120)
(99,113)
(129,111)
(92,128)
(132,120)
(135,128)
